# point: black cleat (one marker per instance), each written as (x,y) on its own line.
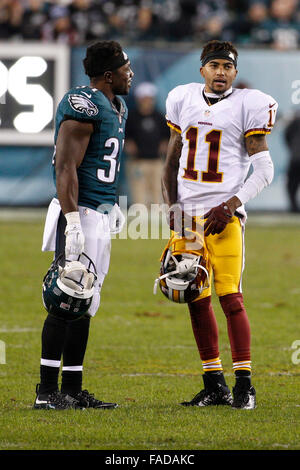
(54,401)
(87,400)
(244,398)
(213,394)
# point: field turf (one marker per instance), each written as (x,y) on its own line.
(142,354)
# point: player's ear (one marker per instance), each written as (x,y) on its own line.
(108,77)
(201,71)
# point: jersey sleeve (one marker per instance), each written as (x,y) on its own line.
(80,107)
(172,113)
(259,113)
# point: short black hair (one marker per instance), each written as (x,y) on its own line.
(218,46)
(99,56)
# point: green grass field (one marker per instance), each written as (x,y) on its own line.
(142,354)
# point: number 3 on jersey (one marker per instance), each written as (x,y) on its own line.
(211,175)
(109,175)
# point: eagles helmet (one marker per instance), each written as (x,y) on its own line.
(68,287)
(183,275)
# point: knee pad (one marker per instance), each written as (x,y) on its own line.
(200,306)
(232,304)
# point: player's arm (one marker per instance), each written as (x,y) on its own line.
(255,144)
(259,119)
(72,141)
(170,171)
(175,217)
(71,145)
(262,165)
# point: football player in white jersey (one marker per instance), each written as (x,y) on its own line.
(217,133)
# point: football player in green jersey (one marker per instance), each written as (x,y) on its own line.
(89,138)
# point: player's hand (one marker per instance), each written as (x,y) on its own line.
(74,235)
(216,219)
(116,220)
(179,221)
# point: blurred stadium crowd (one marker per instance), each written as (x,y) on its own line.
(272,23)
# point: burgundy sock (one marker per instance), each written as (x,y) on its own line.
(205,328)
(238,326)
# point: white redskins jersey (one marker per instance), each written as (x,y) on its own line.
(214,162)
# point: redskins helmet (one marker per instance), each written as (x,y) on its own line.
(68,289)
(183,275)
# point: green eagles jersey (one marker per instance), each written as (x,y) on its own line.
(99,171)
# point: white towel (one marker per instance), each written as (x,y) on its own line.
(50,227)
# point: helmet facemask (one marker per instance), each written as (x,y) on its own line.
(76,279)
(183,276)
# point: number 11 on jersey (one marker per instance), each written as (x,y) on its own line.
(213,139)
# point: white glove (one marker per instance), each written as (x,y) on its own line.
(116,220)
(74,235)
